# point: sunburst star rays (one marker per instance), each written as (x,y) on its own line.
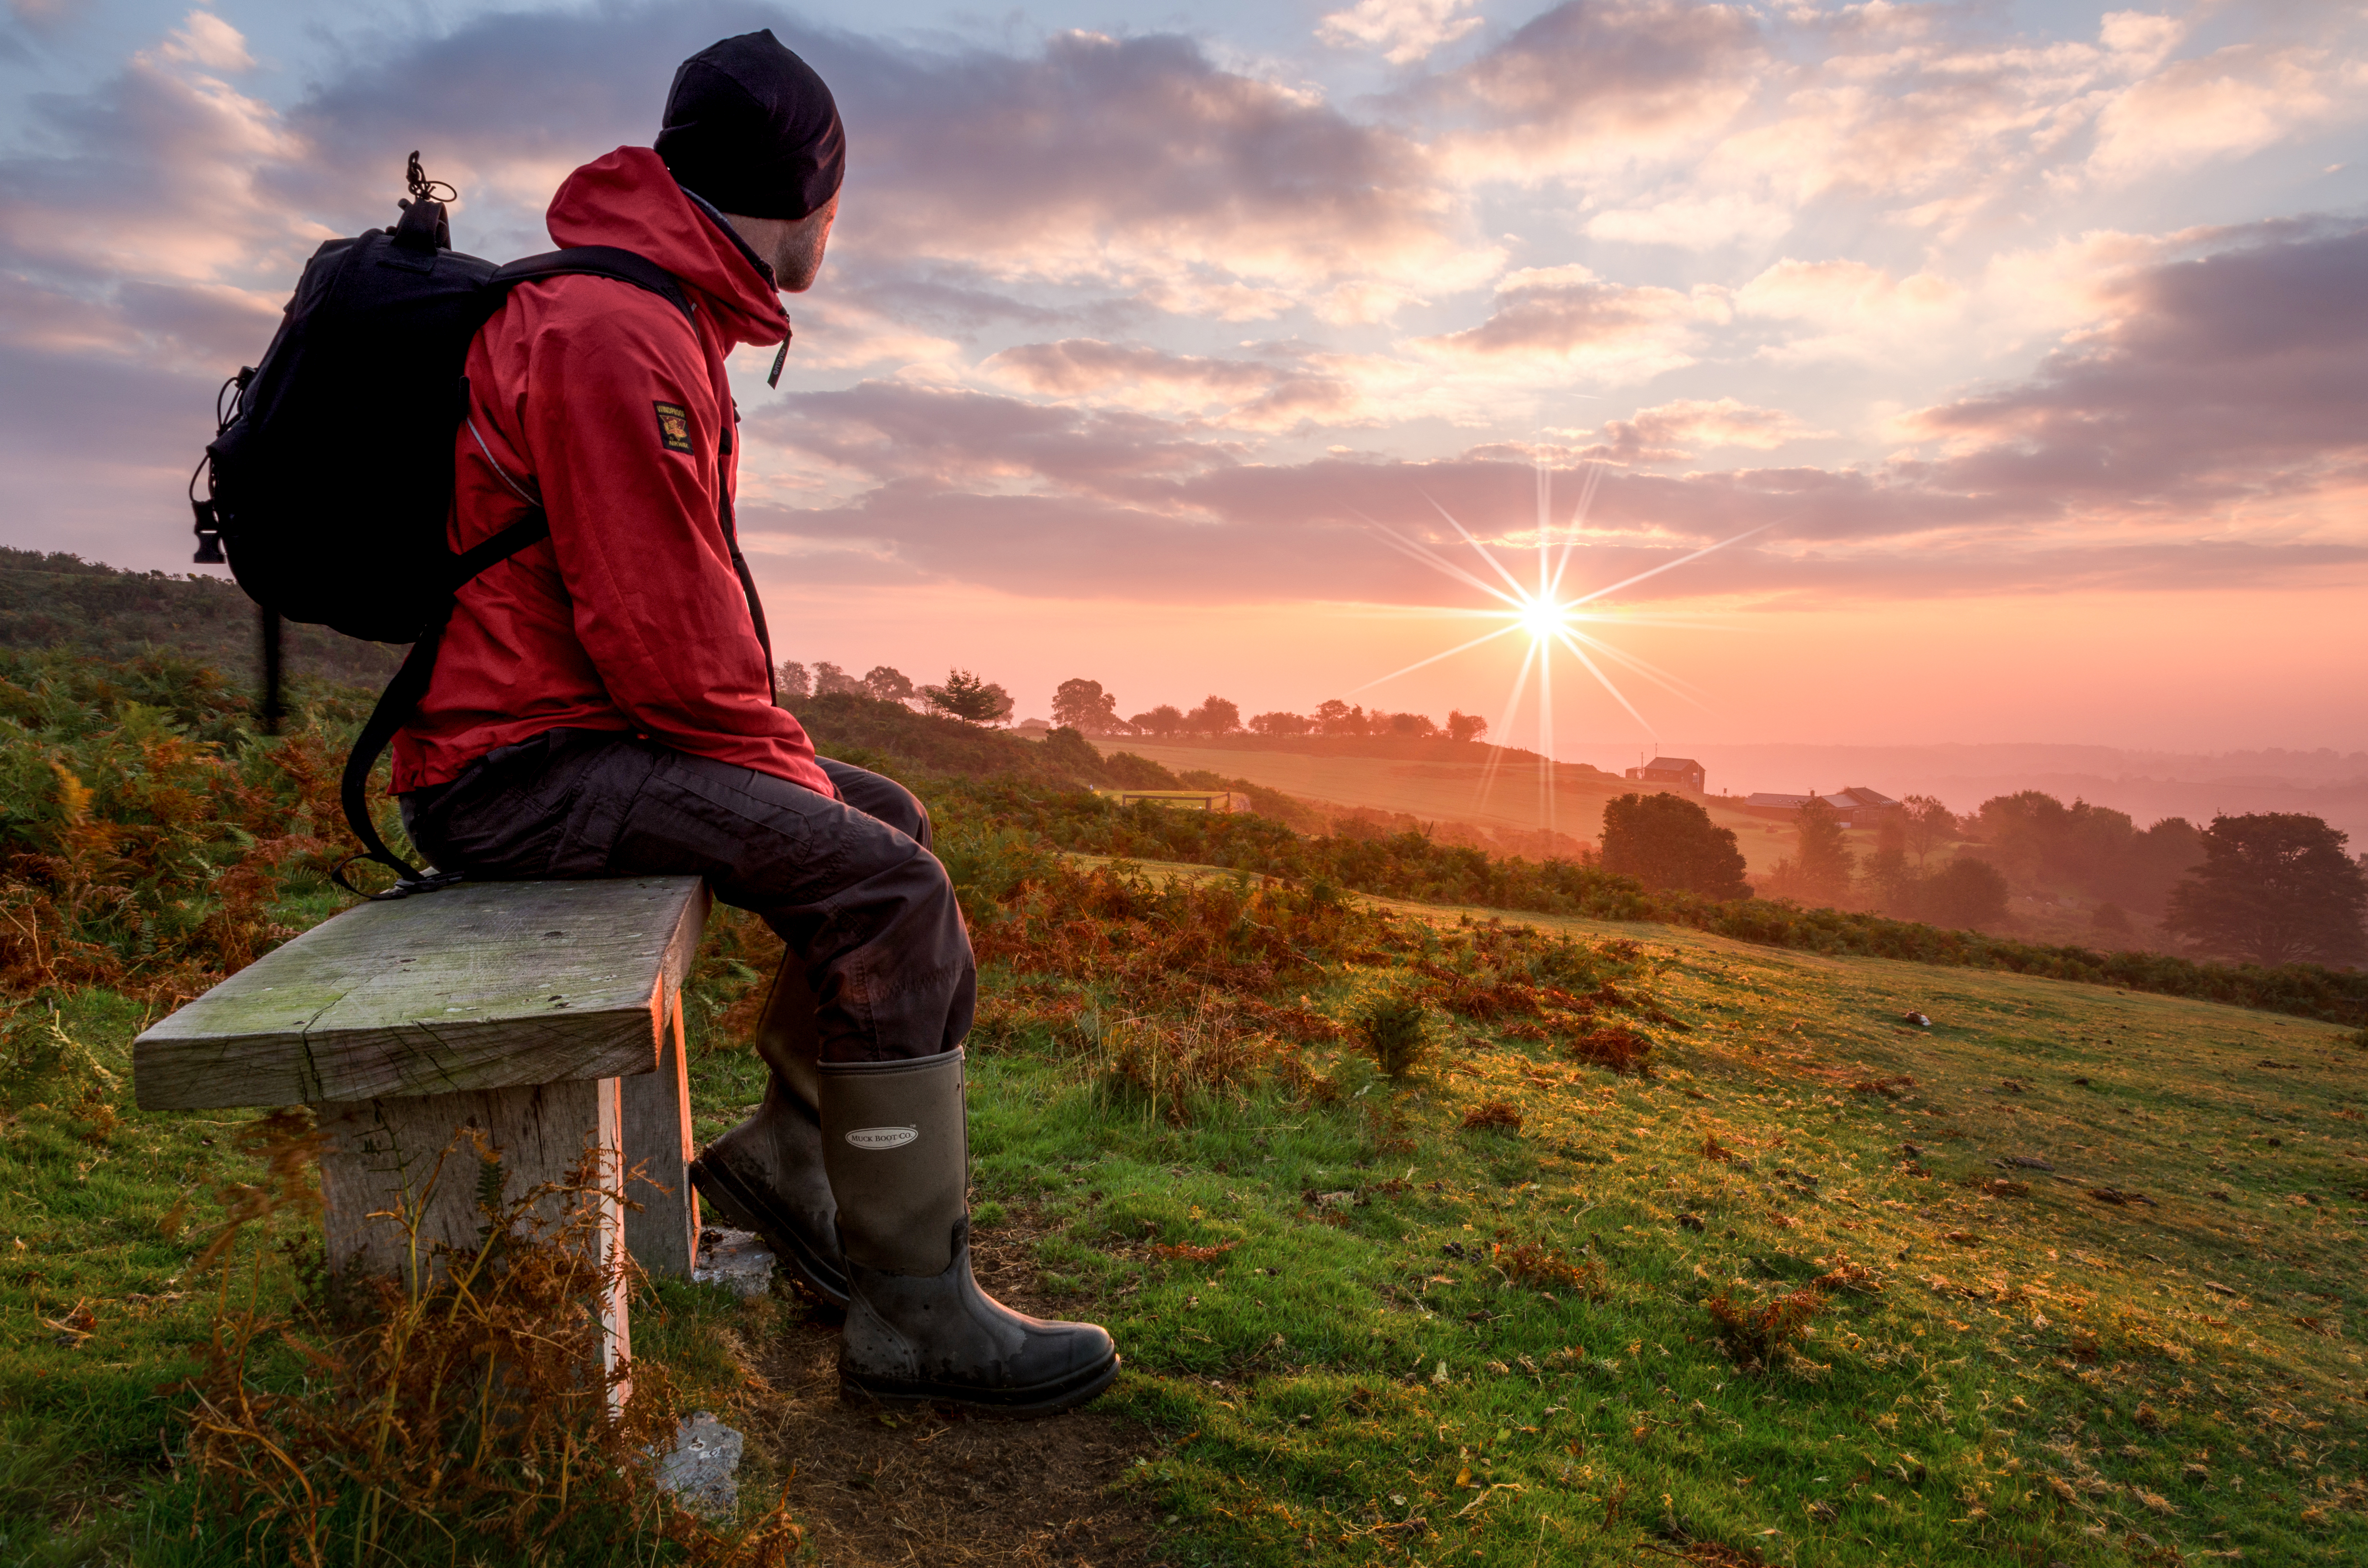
(1548,619)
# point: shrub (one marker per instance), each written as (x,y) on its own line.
(1754,1333)
(1129,771)
(1396,1031)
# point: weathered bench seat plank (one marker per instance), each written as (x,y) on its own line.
(478,986)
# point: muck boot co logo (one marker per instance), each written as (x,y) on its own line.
(883,1137)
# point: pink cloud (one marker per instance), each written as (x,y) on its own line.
(1271,394)
(1658,435)
(1404,30)
(1561,317)
(2226,104)
(1588,85)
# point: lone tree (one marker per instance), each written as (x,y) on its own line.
(1819,872)
(968,698)
(2275,887)
(1927,825)
(1462,726)
(793,680)
(1886,870)
(1083,706)
(1667,841)
(829,680)
(887,685)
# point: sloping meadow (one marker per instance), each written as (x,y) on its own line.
(2064,1274)
(1643,1241)
(1429,1234)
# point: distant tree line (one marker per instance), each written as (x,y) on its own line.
(1084,706)
(1088,708)
(964,695)
(2270,887)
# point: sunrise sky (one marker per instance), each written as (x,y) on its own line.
(2033,337)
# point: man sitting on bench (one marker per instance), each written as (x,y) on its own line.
(602,706)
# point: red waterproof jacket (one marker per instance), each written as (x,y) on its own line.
(598,400)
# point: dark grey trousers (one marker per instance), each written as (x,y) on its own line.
(849,884)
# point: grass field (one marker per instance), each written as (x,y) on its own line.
(2090,1294)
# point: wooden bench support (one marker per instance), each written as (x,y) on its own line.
(546,1015)
(663,1235)
(414,1157)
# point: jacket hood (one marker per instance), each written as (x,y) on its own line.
(630,200)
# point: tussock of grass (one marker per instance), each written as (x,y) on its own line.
(1755,1332)
(1493,1116)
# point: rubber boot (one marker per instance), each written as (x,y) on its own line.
(766,1174)
(918,1327)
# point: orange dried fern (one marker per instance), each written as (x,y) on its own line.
(469,1403)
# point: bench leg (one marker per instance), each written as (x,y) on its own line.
(384,1153)
(663,1235)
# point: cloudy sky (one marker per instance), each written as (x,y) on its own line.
(2032,339)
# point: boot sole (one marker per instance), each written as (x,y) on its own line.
(1045,1398)
(747,1210)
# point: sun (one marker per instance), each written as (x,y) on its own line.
(1544,617)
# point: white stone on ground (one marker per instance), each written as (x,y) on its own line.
(702,1469)
(733,1259)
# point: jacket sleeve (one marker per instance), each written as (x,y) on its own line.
(623,430)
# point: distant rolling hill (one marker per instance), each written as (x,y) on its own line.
(1445,781)
(60,600)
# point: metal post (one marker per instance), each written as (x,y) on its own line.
(272,710)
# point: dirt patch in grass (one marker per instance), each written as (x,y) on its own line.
(880,1485)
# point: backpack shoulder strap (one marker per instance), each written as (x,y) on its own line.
(596,261)
(394,708)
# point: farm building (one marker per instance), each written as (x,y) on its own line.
(1682,771)
(1858,806)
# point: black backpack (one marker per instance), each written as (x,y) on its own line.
(330,476)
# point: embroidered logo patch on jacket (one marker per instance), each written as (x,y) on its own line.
(673,427)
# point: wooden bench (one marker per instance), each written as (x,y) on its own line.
(546,1015)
